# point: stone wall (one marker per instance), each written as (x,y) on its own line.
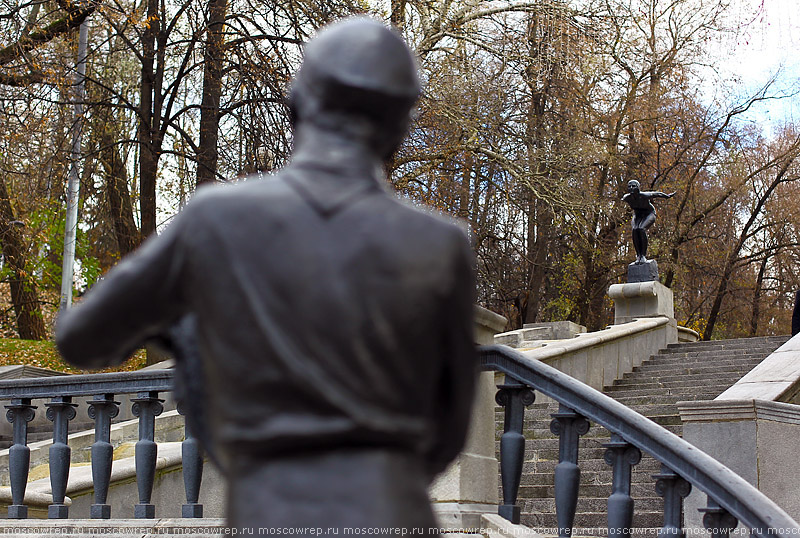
(599,358)
(753,429)
(468,488)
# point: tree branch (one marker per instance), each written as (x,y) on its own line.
(73,19)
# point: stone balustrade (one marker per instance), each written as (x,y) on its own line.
(100,392)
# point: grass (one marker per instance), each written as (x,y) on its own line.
(45,355)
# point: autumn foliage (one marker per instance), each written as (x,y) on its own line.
(534,117)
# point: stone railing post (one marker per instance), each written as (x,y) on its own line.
(147,406)
(192,458)
(60,411)
(19,413)
(102,408)
(468,488)
(641,300)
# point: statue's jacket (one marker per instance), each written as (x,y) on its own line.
(331,316)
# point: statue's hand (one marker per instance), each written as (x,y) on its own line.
(671,195)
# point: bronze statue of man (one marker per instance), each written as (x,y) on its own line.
(644,215)
(333,321)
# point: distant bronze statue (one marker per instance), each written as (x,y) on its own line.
(644,215)
(332,321)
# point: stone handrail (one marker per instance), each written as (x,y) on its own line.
(683,465)
(598,358)
(102,388)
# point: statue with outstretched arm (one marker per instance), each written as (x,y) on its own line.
(644,215)
(327,322)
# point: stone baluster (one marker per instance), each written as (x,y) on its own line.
(60,410)
(19,413)
(147,407)
(673,489)
(102,408)
(514,397)
(192,459)
(621,455)
(569,426)
(717,520)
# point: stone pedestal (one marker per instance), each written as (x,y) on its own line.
(643,272)
(642,300)
(468,487)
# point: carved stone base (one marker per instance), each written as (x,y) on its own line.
(193,510)
(17,511)
(144,511)
(642,300)
(643,272)
(100,511)
(58,511)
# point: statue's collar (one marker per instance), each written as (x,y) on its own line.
(328,187)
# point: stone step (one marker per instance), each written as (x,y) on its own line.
(659,370)
(543,474)
(589,523)
(676,374)
(669,387)
(536,450)
(586,504)
(551,454)
(651,409)
(680,362)
(718,374)
(733,343)
(708,389)
(689,382)
(721,349)
(533,465)
(544,432)
(587,491)
(539,427)
(633,401)
(587,441)
(703,361)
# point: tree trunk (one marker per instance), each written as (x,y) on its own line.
(119,199)
(757,297)
(397,17)
(24,295)
(148,123)
(540,222)
(207,152)
(722,290)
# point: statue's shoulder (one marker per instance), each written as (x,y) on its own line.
(430,225)
(248,189)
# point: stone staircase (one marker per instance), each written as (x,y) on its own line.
(682,372)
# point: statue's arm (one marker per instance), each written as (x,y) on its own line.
(460,368)
(137,300)
(659,194)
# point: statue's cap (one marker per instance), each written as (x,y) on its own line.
(358,56)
